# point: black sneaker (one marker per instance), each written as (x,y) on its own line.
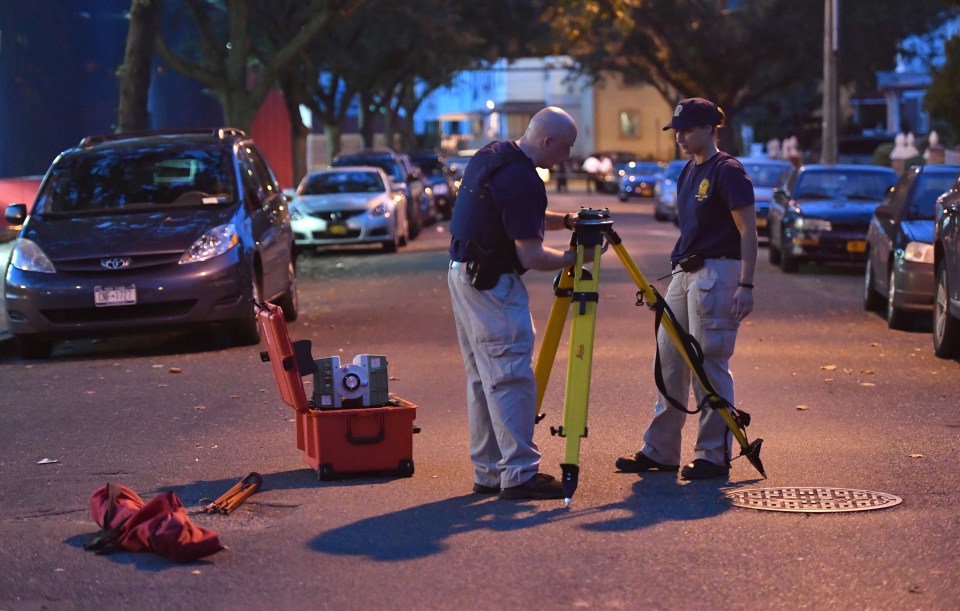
(701,468)
(540,486)
(638,462)
(481,489)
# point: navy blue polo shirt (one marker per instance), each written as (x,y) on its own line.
(706,194)
(494,209)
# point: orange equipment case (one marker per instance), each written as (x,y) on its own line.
(336,441)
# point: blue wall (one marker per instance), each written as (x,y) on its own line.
(58,63)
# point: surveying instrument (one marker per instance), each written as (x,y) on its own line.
(576,291)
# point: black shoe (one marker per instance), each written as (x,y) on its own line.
(481,489)
(638,462)
(701,468)
(540,486)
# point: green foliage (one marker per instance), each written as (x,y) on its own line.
(881,156)
(944,90)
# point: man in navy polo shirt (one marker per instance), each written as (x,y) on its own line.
(496,234)
(715,208)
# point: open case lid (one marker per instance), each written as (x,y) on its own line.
(290,360)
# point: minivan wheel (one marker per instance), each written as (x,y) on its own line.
(871,298)
(246,331)
(289,302)
(946,329)
(33,348)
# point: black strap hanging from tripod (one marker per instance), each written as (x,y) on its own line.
(694,353)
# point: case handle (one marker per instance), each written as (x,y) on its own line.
(366,440)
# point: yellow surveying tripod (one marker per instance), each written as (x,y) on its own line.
(578,287)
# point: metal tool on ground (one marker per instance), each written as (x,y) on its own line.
(579,287)
(232,498)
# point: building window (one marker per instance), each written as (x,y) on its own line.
(629,123)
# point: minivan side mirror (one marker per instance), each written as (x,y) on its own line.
(16,214)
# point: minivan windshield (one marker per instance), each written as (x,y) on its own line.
(136,179)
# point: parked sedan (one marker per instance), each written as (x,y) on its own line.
(823,211)
(766,175)
(899,272)
(440,179)
(349,205)
(404,177)
(946,264)
(638,179)
(665,191)
(136,232)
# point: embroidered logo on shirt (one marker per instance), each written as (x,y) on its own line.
(703,190)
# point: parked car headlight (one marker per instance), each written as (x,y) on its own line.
(295,213)
(212,244)
(805,224)
(919,252)
(28,257)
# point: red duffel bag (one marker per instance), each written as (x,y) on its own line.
(160,526)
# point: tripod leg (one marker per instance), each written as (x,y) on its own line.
(551,336)
(750,450)
(580,361)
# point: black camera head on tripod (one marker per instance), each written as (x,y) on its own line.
(591,224)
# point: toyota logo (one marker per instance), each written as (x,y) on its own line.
(115,263)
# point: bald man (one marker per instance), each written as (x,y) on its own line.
(496,234)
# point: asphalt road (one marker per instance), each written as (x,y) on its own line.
(840,400)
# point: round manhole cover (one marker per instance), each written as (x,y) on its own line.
(810,500)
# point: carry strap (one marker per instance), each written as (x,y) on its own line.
(691,347)
(105,542)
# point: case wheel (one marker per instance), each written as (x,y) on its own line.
(325,473)
(406,468)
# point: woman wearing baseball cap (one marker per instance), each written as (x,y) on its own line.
(710,293)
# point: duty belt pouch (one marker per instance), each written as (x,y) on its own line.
(691,263)
(483,270)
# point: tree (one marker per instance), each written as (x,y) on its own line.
(740,55)
(137,65)
(216,43)
(944,88)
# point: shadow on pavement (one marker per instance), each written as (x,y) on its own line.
(423,530)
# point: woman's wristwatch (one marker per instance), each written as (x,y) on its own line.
(745,285)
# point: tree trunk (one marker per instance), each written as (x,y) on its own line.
(239,108)
(332,133)
(133,114)
(366,119)
(298,140)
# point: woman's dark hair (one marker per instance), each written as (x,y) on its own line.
(722,120)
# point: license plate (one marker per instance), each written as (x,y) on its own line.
(104,296)
(857,246)
(761,223)
(337,229)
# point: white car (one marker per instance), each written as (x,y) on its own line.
(349,205)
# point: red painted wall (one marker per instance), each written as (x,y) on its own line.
(271,132)
(16,191)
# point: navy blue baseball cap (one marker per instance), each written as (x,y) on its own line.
(695,112)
